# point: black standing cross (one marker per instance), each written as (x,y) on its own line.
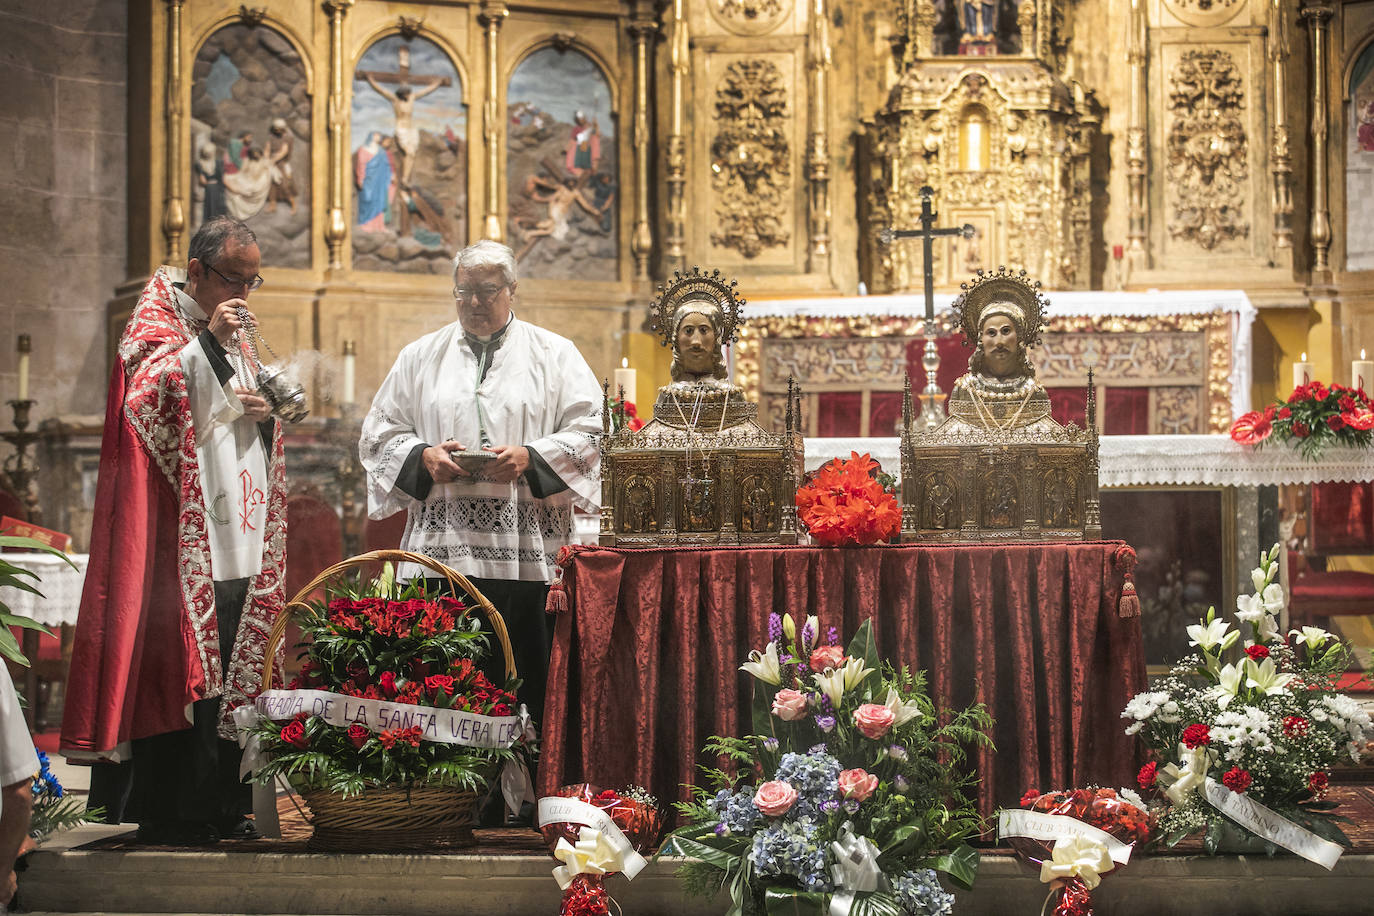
(928,233)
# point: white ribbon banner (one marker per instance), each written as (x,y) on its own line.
(556,810)
(855,871)
(1037,825)
(446,726)
(1272,826)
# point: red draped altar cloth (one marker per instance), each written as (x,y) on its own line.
(646,659)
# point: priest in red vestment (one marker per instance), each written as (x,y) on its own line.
(187,554)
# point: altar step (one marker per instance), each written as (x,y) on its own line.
(70,880)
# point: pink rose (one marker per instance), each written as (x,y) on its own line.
(775,798)
(789,705)
(873,720)
(823,657)
(857,784)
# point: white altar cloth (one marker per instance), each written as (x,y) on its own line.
(60,584)
(1069,304)
(1163,461)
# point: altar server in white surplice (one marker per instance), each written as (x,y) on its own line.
(525,400)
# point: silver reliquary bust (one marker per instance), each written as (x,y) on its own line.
(1000,467)
(702,471)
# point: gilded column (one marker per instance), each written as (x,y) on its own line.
(1280,156)
(1136,166)
(336,226)
(818,150)
(493,12)
(676,170)
(1318,19)
(643,27)
(173,207)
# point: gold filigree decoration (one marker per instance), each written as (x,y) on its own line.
(751,158)
(750,17)
(1207,149)
(1214,413)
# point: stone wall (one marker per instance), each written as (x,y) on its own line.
(62,195)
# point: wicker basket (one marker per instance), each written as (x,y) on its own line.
(391,817)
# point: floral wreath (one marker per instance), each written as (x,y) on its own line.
(1003,285)
(692,286)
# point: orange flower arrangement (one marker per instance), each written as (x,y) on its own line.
(844,503)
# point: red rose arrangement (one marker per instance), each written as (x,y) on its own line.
(1314,416)
(1073,859)
(845,502)
(607,831)
(390,643)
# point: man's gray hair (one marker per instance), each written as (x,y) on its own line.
(208,243)
(487,253)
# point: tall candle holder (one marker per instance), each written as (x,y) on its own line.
(19,471)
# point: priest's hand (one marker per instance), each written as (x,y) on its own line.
(255,406)
(511,461)
(442,468)
(227,318)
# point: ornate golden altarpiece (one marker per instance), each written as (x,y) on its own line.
(702,471)
(992,470)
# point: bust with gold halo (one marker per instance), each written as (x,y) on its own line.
(702,471)
(1000,467)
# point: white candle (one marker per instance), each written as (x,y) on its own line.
(1362,372)
(350,350)
(625,381)
(24,347)
(1302,371)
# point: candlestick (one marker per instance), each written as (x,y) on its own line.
(625,380)
(350,356)
(24,347)
(1361,372)
(1302,371)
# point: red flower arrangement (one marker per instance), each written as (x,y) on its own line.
(1314,416)
(624,416)
(591,857)
(1074,865)
(845,503)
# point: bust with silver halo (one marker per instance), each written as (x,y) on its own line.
(1000,467)
(702,470)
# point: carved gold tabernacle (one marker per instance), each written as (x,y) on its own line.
(1000,467)
(702,471)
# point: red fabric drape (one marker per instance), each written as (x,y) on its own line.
(646,658)
(1127,411)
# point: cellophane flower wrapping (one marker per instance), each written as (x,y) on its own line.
(846,502)
(633,811)
(1122,814)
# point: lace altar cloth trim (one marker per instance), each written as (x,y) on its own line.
(59,583)
(1091,303)
(1162,461)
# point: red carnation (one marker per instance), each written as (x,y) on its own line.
(1300,429)
(1236,779)
(1197,735)
(1336,422)
(358,735)
(438,682)
(1284,413)
(388,682)
(1295,726)
(500,709)
(1317,784)
(1257,652)
(1029,798)
(388,738)
(294,734)
(1146,777)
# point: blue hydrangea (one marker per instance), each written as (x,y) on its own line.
(789,848)
(815,776)
(736,810)
(919,893)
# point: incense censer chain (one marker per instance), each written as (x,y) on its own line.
(278,385)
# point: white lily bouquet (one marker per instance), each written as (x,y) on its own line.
(1243,734)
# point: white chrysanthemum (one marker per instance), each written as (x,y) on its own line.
(1144,705)
(1169,712)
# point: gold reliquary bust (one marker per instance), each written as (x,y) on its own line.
(702,471)
(1000,467)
